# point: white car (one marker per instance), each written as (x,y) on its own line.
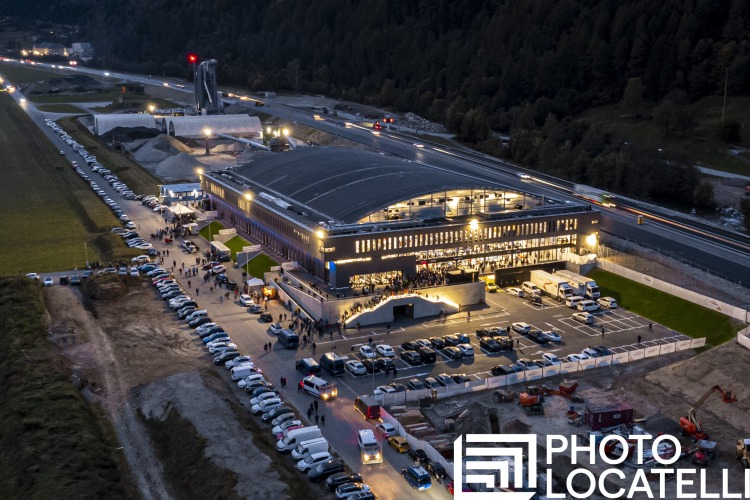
(367,352)
(33,276)
(218,269)
(385,389)
(386,429)
(585,318)
(285,417)
(575,358)
(239,360)
(607,302)
(313,460)
(591,353)
(221,347)
(466,350)
(250,378)
(553,336)
(262,397)
(286,424)
(552,358)
(385,350)
(516,291)
(355,367)
(48,281)
(275,328)
(267,405)
(246,300)
(521,327)
(134,272)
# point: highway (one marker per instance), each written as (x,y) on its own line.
(719,251)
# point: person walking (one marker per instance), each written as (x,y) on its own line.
(265,347)
(197,292)
(299,389)
(315,404)
(650,327)
(314,345)
(322,420)
(309,414)
(639,339)
(468,316)
(316,419)
(602,333)
(189,285)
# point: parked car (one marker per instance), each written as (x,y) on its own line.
(453,352)
(460,378)
(437,342)
(348,490)
(490,345)
(436,470)
(527,364)
(325,469)
(517,292)
(398,443)
(286,424)
(574,358)
(48,281)
(607,302)
(553,336)
(445,380)
(538,336)
(583,317)
(275,328)
(552,358)
(521,327)
(386,430)
(415,384)
(466,350)
(451,340)
(367,352)
(411,357)
(602,351)
(385,350)
(355,367)
(266,406)
(340,478)
(313,460)
(246,300)
(418,457)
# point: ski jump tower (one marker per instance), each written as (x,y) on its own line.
(206,90)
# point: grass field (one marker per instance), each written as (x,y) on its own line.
(60,108)
(52,218)
(259,265)
(236,244)
(135,176)
(673,312)
(210,229)
(136,103)
(54,444)
(106,96)
(28,73)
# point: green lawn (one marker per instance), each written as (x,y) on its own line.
(60,108)
(52,217)
(108,95)
(136,103)
(673,312)
(28,73)
(262,263)
(54,443)
(212,228)
(236,244)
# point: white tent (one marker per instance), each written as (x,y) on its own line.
(255,282)
(180,210)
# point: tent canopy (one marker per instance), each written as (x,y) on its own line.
(181,210)
(255,282)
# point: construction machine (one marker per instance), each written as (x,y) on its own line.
(743,452)
(533,399)
(690,425)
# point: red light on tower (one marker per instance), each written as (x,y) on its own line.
(192,58)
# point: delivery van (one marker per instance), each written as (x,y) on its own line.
(294,437)
(307,448)
(368,407)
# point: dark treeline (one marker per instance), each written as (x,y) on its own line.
(524,67)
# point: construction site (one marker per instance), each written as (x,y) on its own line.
(699,401)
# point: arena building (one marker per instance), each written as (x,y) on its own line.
(359,219)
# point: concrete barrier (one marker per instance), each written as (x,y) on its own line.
(651,351)
(587,364)
(683,345)
(620,357)
(603,361)
(698,342)
(743,339)
(568,368)
(636,355)
(534,374)
(667,348)
(551,371)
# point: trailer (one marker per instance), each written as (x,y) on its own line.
(594,195)
(556,287)
(583,286)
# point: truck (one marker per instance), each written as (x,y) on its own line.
(594,195)
(556,287)
(583,286)
(369,447)
(220,251)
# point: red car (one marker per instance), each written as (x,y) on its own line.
(211,265)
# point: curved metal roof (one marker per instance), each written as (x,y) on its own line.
(105,123)
(193,126)
(345,185)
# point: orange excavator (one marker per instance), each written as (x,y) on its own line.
(690,425)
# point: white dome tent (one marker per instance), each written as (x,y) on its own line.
(105,123)
(194,127)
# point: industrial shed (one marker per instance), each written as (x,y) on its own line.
(105,123)
(194,126)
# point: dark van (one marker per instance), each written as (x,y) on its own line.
(288,339)
(308,366)
(333,364)
(427,354)
(368,407)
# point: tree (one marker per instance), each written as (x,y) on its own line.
(729,131)
(632,97)
(664,113)
(703,195)
(293,73)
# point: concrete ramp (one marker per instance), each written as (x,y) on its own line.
(413,305)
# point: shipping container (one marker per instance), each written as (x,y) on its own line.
(609,415)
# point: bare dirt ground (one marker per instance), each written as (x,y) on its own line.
(138,363)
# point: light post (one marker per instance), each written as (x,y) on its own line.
(151,108)
(207,135)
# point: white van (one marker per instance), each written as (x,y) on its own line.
(320,388)
(587,306)
(242,371)
(369,447)
(531,288)
(294,437)
(195,315)
(307,448)
(573,301)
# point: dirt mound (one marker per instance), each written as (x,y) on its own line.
(74,84)
(515,426)
(181,166)
(159,149)
(125,134)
